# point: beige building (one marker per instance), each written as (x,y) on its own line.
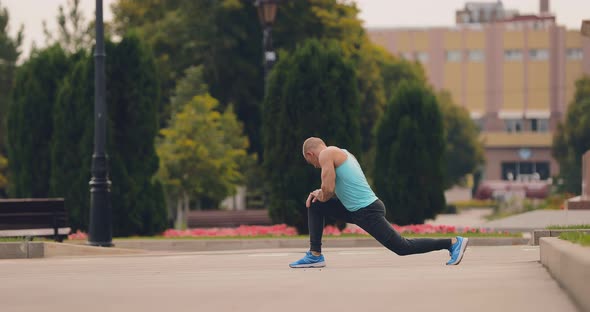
(514,73)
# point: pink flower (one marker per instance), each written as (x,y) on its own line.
(241,231)
(332,230)
(78,235)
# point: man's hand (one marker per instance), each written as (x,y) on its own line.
(312,198)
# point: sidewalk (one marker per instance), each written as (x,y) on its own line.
(524,222)
(474,217)
(506,278)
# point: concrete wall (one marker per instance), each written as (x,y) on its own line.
(569,264)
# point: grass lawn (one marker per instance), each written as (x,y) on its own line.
(576,237)
(22,239)
(569,227)
(11,239)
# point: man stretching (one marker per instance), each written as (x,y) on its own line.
(356,203)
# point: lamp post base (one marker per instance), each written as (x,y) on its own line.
(100,244)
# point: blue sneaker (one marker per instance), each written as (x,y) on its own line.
(309,261)
(457,250)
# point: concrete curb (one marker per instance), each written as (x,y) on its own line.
(69,250)
(569,264)
(537,234)
(186,245)
(24,250)
(28,250)
(21,250)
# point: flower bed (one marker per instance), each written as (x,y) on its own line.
(241,231)
(282,230)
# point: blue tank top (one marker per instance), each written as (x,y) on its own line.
(352,188)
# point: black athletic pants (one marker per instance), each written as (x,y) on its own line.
(372,220)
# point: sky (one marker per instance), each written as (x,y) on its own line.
(374,13)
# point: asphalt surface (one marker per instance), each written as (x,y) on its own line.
(504,278)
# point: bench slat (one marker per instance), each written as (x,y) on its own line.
(34,232)
(33,217)
(13,207)
(31,214)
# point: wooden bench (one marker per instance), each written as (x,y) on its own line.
(30,217)
(227,218)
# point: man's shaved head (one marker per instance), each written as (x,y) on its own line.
(312,143)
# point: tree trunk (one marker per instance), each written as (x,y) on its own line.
(186,209)
(179,214)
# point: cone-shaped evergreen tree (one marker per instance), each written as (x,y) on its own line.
(311,92)
(133,97)
(72,141)
(409,161)
(30,125)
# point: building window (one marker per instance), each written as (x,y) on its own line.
(513,125)
(406,55)
(476,55)
(513,26)
(574,54)
(422,57)
(539,54)
(454,56)
(474,26)
(513,55)
(525,171)
(538,25)
(539,124)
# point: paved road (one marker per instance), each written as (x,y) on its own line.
(466,217)
(540,219)
(495,279)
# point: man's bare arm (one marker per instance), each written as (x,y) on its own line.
(326,159)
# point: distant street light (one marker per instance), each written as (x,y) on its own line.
(100,229)
(585,29)
(267,11)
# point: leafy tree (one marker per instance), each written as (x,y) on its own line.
(298,21)
(409,171)
(188,87)
(9,53)
(73,33)
(225,37)
(572,138)
(30,126)
(464,150)
(311,92)
(200,153)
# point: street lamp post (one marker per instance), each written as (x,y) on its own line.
(100,231)
(267,10)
